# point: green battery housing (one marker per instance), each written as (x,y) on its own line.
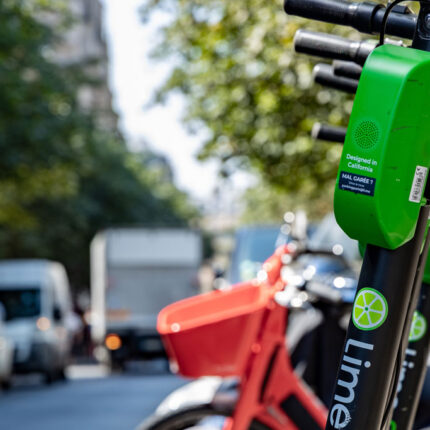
(386,155)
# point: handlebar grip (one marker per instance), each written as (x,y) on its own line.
(328,132)
(334,11)
(329,46)
(347,69)
(324,75)
(365,17)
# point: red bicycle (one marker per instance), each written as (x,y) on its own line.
(240,332)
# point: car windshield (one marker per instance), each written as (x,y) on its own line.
(254,245)
(258,245)
(328,234)
(20,303)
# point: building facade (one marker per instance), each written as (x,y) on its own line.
(84,45)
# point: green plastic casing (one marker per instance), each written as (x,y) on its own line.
(386,155)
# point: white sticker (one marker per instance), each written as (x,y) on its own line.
(418,184)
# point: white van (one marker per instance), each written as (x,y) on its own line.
(35,296)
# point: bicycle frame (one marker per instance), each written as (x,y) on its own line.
(286,406)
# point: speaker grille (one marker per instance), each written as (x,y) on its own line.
(366,134)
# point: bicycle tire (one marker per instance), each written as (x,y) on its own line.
(187,418)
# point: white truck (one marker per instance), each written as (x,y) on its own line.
(135,272)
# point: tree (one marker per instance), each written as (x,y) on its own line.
(61,178)
(235,65)
(114,190)
(267,204)
(40,120)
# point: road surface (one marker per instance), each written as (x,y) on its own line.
(91,400)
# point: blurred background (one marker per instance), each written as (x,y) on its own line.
(150,149)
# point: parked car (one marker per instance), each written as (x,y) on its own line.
(35,296)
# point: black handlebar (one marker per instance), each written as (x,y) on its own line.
(324,75)
(365,17)
(329,46)
(328,132)
(347,69)
(335,47)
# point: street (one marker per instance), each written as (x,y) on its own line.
(90,400)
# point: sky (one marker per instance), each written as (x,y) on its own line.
(133,79)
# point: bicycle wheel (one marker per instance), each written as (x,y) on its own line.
(186,418)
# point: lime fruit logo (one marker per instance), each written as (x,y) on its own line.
(370,309)
(419,327)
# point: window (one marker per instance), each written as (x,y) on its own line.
(20,303)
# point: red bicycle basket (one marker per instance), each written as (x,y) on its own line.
(212,334)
